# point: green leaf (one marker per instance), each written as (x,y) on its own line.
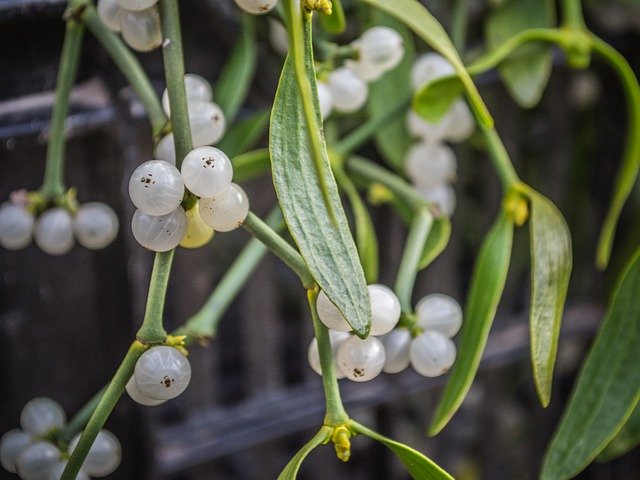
(435,98)
(231,88)
(436,241)
(608,386)
(336,22)
(551,262)
(324,240)
(393,140)
(290,472)
(486,288)
(419,466)
(250,165)
(425,25)
(627,439)
(526,72)
(244,133)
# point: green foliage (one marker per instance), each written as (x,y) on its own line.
(243,134)
(627,438)
(336,22)
(436,241)
(290,472)
(434,99)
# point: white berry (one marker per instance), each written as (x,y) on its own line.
(380,49)
(325,100)
(104,455)
(138,397)
(206,122)
(427,131)
(11,445)
(56,472)
(40,415)
(95,225)
(278,37)
(396,349)
(432,354)
(227,211)
(159,233)
(429,67)
(162,373)
(16,226)
(440,313)
(207,171)
(256,7)
(141,29)
(110,12)
(197,89)
(442,195)
(330,315)
(336,338)
(361,360)
(156,187)
(460,122)
(36,461)
(429,164)
(136,4)
(166,149)
(53,232)
(385,309)
(348,91)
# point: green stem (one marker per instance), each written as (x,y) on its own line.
(152,330)
(410,263)
(130,68)
(80,419)
(174,76)
(572,14)
(459,24)
(335,414)
(53,183)
(280,247)
(500,159)
(103,410)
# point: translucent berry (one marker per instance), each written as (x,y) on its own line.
(325,99)
(141,29)
(336,338)
(227,211)
(207,171)
(460,122)
(95,225)
(162,373)
(138,397)
(103,457)
(56,472)
(429,67)
(385,309)
(330,315)
(429,164)
(53,232)
(380,49)
(40,415)
(432,354)
(36,461)
(206,122)
(12,444)
(136,4)
(156,187)
(440,313)
(348,91)
(16,226)
(427,131)
(198,233)
(159,233)
(278,37)
(256,7)
(166,149)
(361,360)
(110,12)
(443,196)
(196,88)
(396,349)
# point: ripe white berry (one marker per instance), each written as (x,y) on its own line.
(138,397)
(11,445)
(206,122)
(278,37)
(380,49)
(16,226)
(429,67)
(396,349)
(40,415)
(256,7)
(325,100)
(159,233)
(56,472)
(207,171)
(427,131)
(330,315)
(440,313)
(348,91)
(136,4)
(429,164)
(361,360)
(442,195)
(53,232)
(162,373)
(385,309)
(432,354)
(103,457)
(110,12)
(166,149)
(460,122)
(36,461)
(95,225)
(141,29)
(227,211)
(156,187)
(336,338)
(196,88)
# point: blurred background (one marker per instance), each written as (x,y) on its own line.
(66,322)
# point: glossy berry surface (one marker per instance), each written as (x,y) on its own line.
(104,456)
(40,415)
(396,348)
(138,397)
(136,4)
(227,211)
(196,88)
(325,100)
(442,195)
(56,472)
(361,360)
(36,461)
(207,171)
(429,67)
(53,232)
(95,225)
(330,315)
(156,187)
(257,7)
(206,122)
(162,373)
(432,354)
(16,226)
(159,233)
(440,313)
(12,444)
(336,338)
(385,309)
(380,49)
(429,164)
(141,29)
(110,12)
(348,91)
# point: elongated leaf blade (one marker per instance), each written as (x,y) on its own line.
(336,22)
(419,466)
(608,386)
(551,262)
(627,439)
(487,284)
(413,14)
(324,242)
(290,472)
(436,241)
(243,134)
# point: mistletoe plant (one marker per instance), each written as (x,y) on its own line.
(186,194)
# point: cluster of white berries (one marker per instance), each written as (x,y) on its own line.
(94,225)
(257,7)
(429,349)
(30,453)
(161,373)
(138,21)
(430,163)
(379,49)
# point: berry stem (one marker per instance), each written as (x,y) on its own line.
(174,76)
(53,183)
(152,329)
(80,419)
(280,247)
(335,415)
(103,410)
(572,14)
(409,265)
(130,68)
